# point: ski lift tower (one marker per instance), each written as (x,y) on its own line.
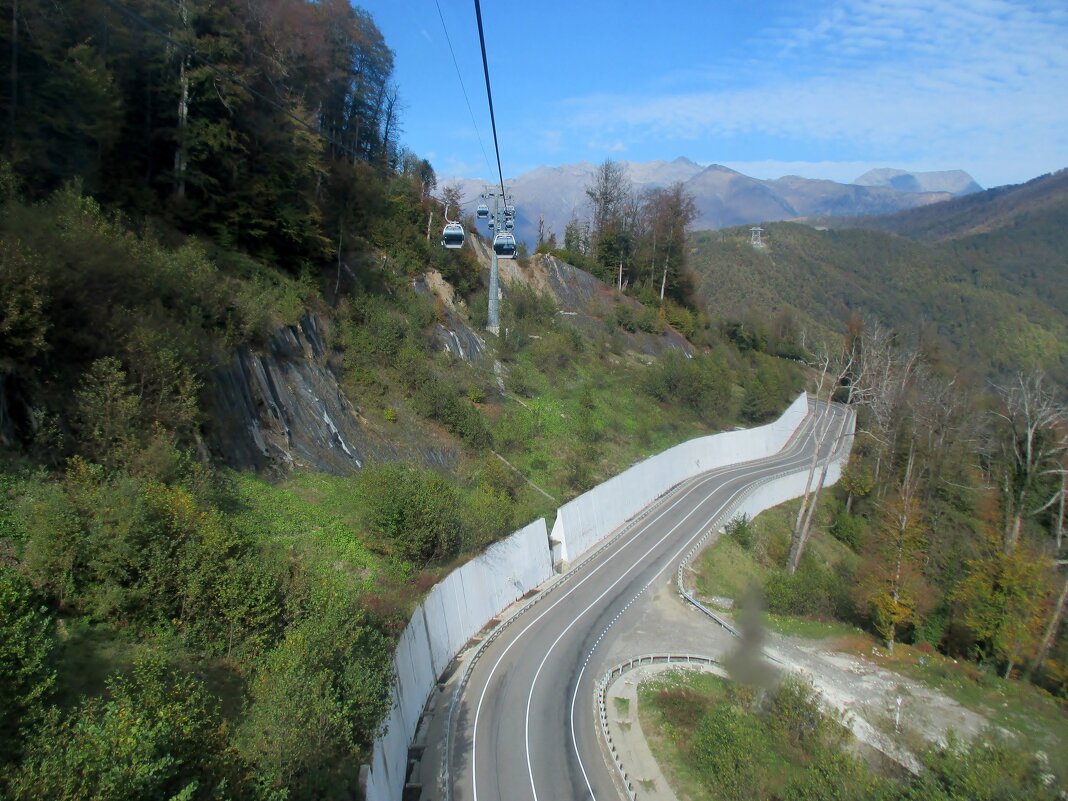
(755,238)
(493,316)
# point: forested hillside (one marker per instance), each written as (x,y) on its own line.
(992,303)
(947,529)
(180,182)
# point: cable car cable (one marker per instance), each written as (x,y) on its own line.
(489,92)
(462,87)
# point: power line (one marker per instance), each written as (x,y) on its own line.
(144,23)
(462,87)
(489,93)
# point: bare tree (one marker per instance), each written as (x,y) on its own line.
(1051,628)
(889,369)
(1031,441)
(843,368)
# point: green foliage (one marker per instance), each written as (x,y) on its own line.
(847,529)
(788,747)
(740,529)
(726,747)
(416,510)
(1000,601)
(158,735)
(26,644)
(795,714)
(988,769)
(317,699)
(990,300)
(815,590)
(701,383)
(23,323)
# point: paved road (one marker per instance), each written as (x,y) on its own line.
(525,728)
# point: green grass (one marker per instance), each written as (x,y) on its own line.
(727,570)
(316,506)
(793,626)
(591,409)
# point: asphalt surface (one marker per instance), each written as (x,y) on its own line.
(525,729)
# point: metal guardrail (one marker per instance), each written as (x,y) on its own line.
(602,704)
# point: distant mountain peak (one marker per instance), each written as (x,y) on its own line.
(955,182)
(723,196)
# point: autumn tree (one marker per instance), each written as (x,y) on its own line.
(1000,600)
(892,588)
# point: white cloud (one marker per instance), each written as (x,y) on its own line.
(980,85)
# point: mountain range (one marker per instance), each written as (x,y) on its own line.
(724,197)
(980,276)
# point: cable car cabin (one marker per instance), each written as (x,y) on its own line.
(504,246)
(482,211)
(509,212)
(491,225)
(453,236)
(508,225)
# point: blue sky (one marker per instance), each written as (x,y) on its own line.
(823,90)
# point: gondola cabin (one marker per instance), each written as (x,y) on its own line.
(482,211)
(504,246)
(452,237)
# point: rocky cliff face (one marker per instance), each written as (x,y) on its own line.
(283,408)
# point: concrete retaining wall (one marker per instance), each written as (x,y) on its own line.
(469,597)
(456,610)
(585,520)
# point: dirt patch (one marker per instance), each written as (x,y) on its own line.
(888,711)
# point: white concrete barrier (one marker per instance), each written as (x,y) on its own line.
(472,595)
(455,610)
(585,520)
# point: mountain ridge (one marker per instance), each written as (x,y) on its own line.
(724,197)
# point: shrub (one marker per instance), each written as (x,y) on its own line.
(727,747)
(25,648)
(417,510)
(158,735)
(813,591)
(740,529)
(846,528)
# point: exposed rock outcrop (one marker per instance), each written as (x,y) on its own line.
(284,408)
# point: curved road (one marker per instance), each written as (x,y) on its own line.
(525,729)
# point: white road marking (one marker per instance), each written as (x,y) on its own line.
(699,483)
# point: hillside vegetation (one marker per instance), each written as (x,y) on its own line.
(994,302)
(170,627)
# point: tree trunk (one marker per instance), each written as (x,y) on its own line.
(1051,629)
(807,525)
(1012,534)
(1058,526)
(180,159)
(14,76)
